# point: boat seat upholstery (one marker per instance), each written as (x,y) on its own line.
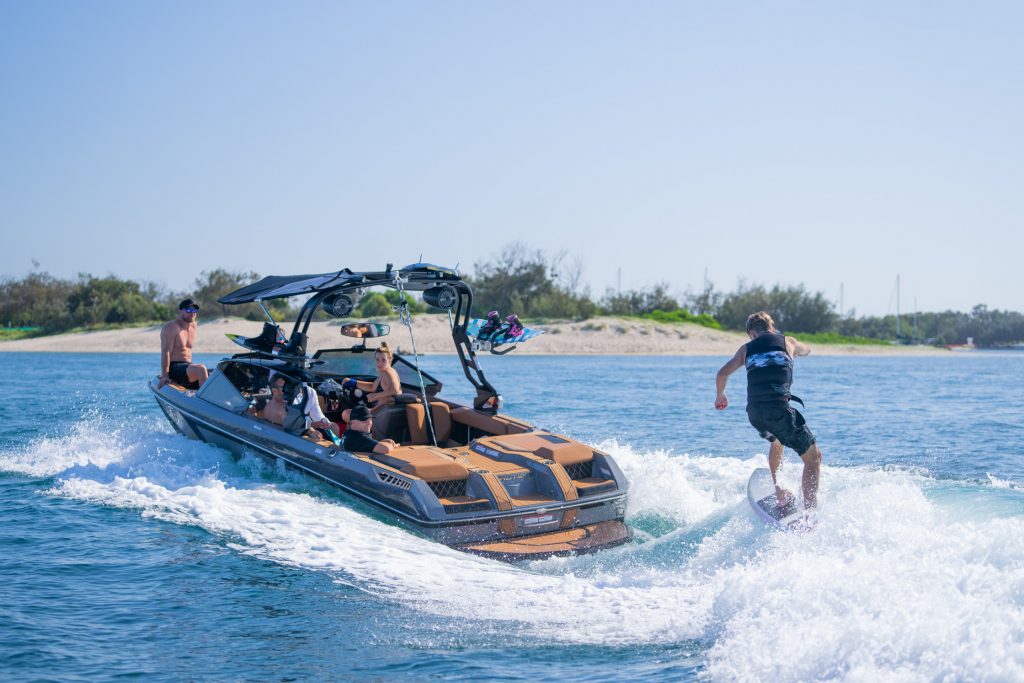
(426,462)
(551,450)
(390,422)
(498,425)
(548,446)
(419,430)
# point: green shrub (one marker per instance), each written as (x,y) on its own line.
(836,338)
(374,305)
(681,315)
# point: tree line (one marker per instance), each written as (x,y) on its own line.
(518,279)
(50,304)
(535,285)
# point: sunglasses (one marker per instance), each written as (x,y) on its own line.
(191,310)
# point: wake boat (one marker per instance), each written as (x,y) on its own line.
(468,476)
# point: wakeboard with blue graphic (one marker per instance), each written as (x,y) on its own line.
(492,332)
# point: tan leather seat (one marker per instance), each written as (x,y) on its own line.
(498,425)
(424,462)
(419,430)
(548,446)
(568,454)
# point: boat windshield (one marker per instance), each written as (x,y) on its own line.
(346,363)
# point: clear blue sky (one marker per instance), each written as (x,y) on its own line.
(824,143)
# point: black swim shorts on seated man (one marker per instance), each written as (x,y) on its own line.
(178,373)
(779,420)
(359,442)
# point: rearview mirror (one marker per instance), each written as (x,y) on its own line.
(365,330)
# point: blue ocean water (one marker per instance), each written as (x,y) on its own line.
(129,552)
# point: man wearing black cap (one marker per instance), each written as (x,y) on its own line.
(357,436)
(176,341)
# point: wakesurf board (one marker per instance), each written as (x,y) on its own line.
(761,495)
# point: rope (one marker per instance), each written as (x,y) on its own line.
(406,317)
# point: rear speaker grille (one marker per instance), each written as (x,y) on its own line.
(448,489)
(581,470)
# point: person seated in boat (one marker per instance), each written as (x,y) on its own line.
(274,409)
(357,436)
(386,386)
(331,393)
(176,341)
(317,421)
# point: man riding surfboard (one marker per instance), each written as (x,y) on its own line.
(768,359)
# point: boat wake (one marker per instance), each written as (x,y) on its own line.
(902,577)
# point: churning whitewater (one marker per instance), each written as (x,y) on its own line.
(902,573)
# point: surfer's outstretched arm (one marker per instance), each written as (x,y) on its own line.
(722,378)
(796,347)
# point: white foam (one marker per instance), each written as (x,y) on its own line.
(998,483)
(886,587)
(890,584)
(683,487)
(95,442)
(301,530)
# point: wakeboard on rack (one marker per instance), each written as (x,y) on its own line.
(272,343)
(492,332)
(270,339)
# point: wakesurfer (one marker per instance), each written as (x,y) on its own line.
(768,359)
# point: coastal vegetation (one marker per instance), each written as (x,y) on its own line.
(516,279)
(836,338)
(12,333)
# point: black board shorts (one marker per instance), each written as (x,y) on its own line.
(178,373)
(779,420)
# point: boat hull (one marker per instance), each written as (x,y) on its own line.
(559,527)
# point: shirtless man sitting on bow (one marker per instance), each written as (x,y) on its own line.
(176,340)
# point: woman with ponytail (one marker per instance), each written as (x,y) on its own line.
(386,386)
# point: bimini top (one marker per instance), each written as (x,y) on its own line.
(417,276)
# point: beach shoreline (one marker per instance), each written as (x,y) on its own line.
(597,336)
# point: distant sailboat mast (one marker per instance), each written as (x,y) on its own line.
(897,306)
(915,319)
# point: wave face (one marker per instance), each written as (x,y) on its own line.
(908,574)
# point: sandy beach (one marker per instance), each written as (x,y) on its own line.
(606,336)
